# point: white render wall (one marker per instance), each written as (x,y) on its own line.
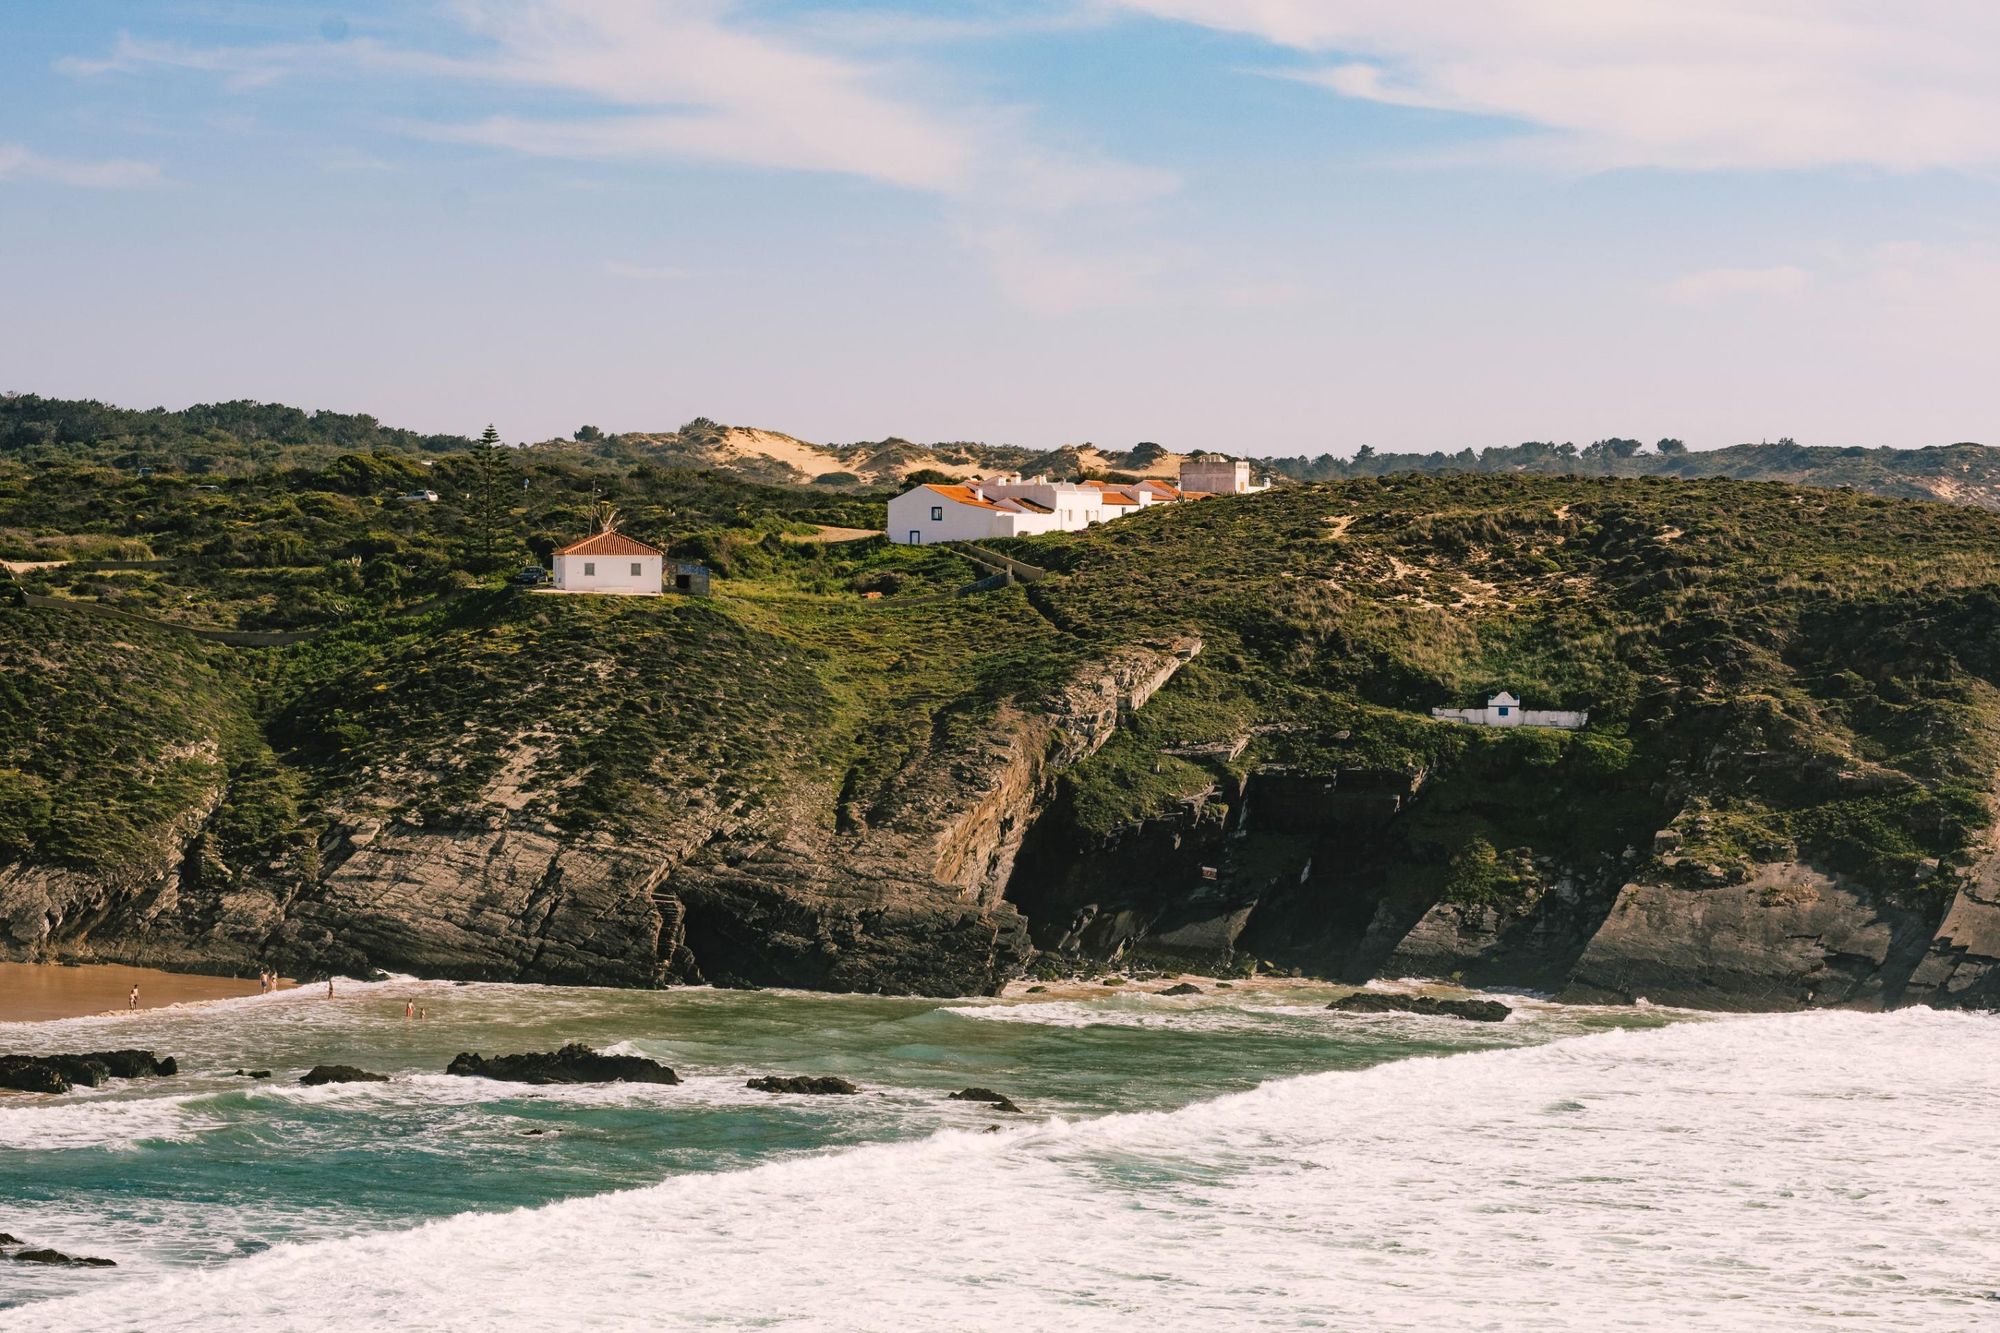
(1512,715)
(911,513)
(1219,476)
(1073,507)
(608,573)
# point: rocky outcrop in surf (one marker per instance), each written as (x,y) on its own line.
(1431,1006)
(320,1075)
(575,1063)
(804,1085)
(92,1069)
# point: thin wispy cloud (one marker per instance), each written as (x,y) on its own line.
(1686,84)
(619,268)
(19,164)
(1714,285)
(699,82)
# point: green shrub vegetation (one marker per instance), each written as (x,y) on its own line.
(1780,673)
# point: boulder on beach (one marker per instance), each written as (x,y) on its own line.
(998,1101)
(1378,1002)
(574,1063)
(319,1074)
(824,1085)
(1185,988)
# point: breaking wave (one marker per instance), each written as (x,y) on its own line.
(1803,1172)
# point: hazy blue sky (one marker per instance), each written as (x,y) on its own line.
(1259,225)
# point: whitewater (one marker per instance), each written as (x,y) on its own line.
(1827,1170)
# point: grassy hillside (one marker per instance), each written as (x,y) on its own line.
(311,547)
(1773,674)
(1816,671)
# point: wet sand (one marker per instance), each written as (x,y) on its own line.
(33,992)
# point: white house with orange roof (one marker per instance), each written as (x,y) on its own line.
(608,562)
(1012,507)
(962,513)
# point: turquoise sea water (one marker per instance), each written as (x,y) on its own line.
(1243,1153)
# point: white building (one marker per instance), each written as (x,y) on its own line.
(1504,710)
(1219,476)
(932,514)
(1014,507)
(609,562)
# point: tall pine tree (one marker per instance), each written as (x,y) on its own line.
(489,494)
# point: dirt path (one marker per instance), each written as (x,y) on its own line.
(829,534)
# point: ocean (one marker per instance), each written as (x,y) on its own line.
(1239,1159)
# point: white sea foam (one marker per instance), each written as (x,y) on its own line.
(49,1124)
(1799,1172)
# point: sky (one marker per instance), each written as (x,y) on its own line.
(1261,226)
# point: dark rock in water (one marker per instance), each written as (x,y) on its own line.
(57,1259)
(6,1239)
(574,1063)
(27,1073)
(1184,988)
(92,1069)
(134,1064)
(1225,985)
(1375,1002)
(319,1074)
(826,1085)
(999,1101)
(250,1073)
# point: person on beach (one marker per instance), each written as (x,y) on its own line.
(329,988)
(409,1008)
(132,1001)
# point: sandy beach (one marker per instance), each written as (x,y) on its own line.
(33,992)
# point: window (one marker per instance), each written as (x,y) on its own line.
(589,568)
(635,569)
(937,513)
(1503,710)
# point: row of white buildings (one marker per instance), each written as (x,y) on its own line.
(1015,506)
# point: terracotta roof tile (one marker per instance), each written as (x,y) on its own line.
(963,495)
(609,543)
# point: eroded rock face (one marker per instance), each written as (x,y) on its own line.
(1788,938)
(1961,970)
(575,1063)
(901,893)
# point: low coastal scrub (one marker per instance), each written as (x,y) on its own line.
(1771,673)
